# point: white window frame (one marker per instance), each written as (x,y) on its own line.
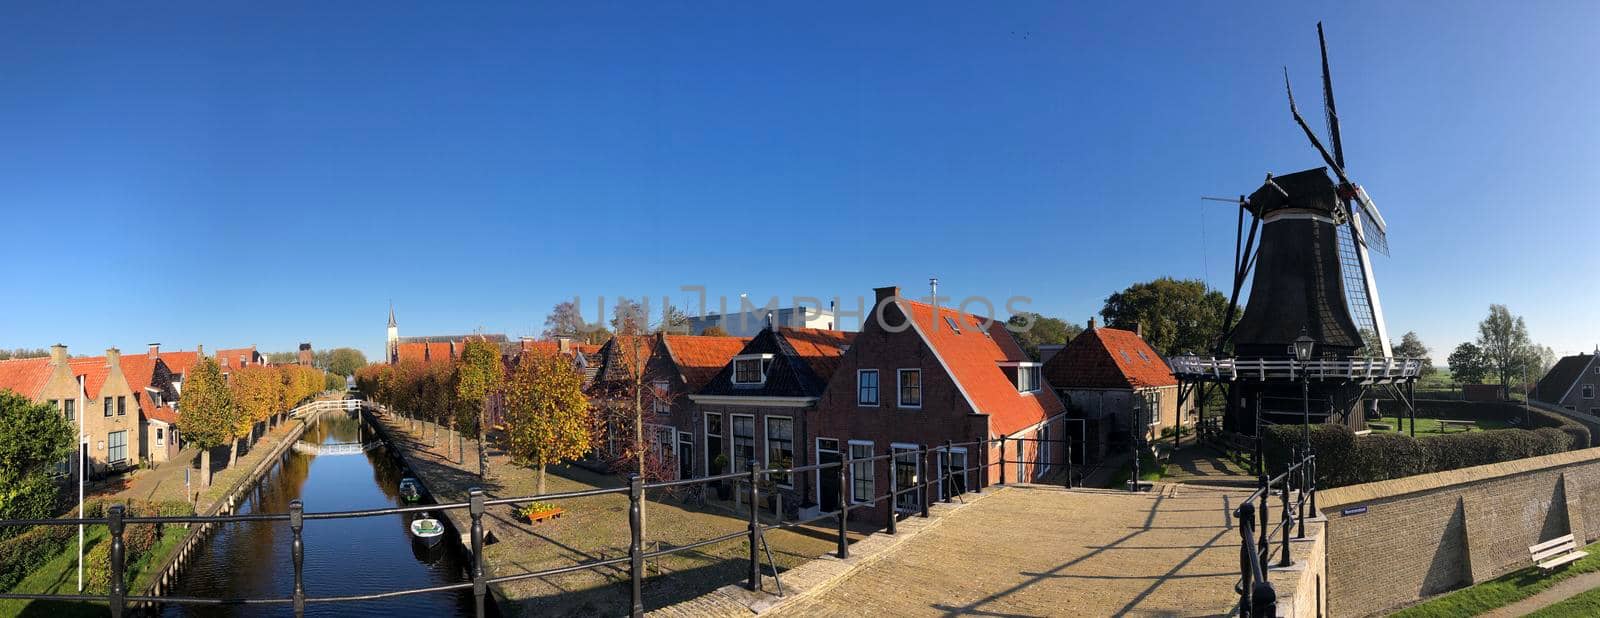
(661,397)
(766,441)
(872,478)
(761,360)
(1041,453)
(1588,391)
(1035,377)
(877,388)
(160,437)
(733,442)
(705,442)
(110,447)
(896,450)
(899,401)
(684,437)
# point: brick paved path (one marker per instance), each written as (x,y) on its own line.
(1047,551)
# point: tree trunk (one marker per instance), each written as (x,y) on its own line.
(639,444)
(205,467)
(541,477)
(233,451)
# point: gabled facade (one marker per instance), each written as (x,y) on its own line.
(91,392)
(1113,380)
(1573,383)
(678,367)
(923,375)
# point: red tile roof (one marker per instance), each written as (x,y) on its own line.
(139,370)
(820,348)
(25,376)
(700,358)
(1108,358)
(94,370)
(164,414)
(973,358)
(179,362)
(236,357)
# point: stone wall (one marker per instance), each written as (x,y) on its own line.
(1395,542)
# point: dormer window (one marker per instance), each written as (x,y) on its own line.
(1028,378)
(750,369)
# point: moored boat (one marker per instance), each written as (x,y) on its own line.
(410,489)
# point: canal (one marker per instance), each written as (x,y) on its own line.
(342,556)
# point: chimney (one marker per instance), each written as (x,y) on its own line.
(1138,329)
(770,325)
(199,350)
(564,345)
(525,343)
(933,288)
(58,354)
(155,351)
(1091,322)
(884,293)
(113,357)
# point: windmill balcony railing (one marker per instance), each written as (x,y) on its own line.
(934,478)
(1369,370)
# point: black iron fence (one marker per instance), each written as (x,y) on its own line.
(926,477)
(1258,541)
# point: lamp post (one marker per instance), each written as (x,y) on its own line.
(1304,345)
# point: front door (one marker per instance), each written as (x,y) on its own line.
(685,456)
(828,483)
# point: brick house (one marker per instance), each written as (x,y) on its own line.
(759,403)
(918,375)
(1112,379)
(1572,384)
(673,367)
(89,390)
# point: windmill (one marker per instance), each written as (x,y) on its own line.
(1307,256)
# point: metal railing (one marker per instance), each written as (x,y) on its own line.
(921,484)
(1288,369)
(1256,540)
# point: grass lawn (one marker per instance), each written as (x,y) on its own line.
(1430,425)
(1149,470)
(60,576)
(1584,604)
(1508,589)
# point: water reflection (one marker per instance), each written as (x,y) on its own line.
(346,556)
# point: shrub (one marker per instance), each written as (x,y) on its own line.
(22,554)
(1345,459)
(97,568)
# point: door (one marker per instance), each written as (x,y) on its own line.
(828,484)
(685,456)
(905,478)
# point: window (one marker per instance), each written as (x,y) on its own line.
(70,407)
(867,387)
(905,477)
(747,371)
(106,405)
(160,437)
(952,322)
(1124,354)
(1042,454)
(953,470)
(780,447)
(861,480)
(744,442)
(1588,391)
(910,381)
(663,397)
(1143,357)
(1028,378)
(122,405)
(117,447)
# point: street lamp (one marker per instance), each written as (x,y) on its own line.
(1303,347)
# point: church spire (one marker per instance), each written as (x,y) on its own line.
(391,315)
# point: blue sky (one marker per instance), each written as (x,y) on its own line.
(227,174)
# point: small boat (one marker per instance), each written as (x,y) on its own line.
(410,489)
(426,527)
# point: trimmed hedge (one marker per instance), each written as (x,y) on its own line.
(1346,459)
(22,554)
(26,552)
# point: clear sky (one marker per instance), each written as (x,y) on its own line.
(269,173)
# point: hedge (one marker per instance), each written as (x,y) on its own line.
(26,552)
(1346,459)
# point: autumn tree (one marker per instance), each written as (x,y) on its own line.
(207,416)
(258,394)
(34,437)
(547,414)
(1032,330)
(480,375)
(1177,316)
(714,330)
(565,320)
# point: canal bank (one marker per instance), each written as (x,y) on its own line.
(353,556)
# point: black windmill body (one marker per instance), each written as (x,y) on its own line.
(1310,278)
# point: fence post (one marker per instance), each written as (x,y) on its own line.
(1313,459)
(1302,482)
(1246,514)
(1002,459)
(922,488)
(1263,600)
(755,526)
(947,481)
(1068,441)
(1265,516)
(1288,480)
(981,449)
(636,543)
(894,492)
(297,550)
(479,587)
(844,509)
(117,550)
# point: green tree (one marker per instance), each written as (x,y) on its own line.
(673,321)
(1467,365)
(334,382)
(1503,337)
(282,358)
(1411,347)
(547,414)
(345,361)
(1032,330)
(1178,316)
(479,376)
(207,416)
(24,353)
(565,320)
(34,437)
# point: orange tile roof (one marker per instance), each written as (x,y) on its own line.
(94,370)
(973,359)
(1108,358)
(820,348)
(25,376)
(164,414)
(700,358)
(236,357)
(139,370)
(179,362)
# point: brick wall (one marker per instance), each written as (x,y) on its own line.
(1428,534)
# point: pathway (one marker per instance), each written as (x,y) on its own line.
(1196,464)
(1035,551)
(1563,590)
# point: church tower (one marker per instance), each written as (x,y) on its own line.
(393,347)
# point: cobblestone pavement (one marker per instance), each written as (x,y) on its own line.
(1048,551)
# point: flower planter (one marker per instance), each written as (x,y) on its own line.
(534,517)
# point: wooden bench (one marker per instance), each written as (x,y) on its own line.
(1445,425)
(1556,552)
(1380,426)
